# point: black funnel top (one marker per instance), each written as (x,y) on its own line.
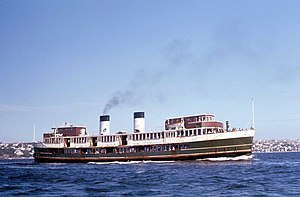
(104,118)
(139,114)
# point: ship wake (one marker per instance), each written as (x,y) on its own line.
(238,158)
(129,162)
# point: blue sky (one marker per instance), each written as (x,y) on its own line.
(63,61)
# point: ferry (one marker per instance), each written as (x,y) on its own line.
(183,138)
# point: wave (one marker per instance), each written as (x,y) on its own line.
(130,162)
(116,162)
(149,161)
(217,159)
(238,158)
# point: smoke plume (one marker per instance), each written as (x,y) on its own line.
(229,41)
(176,54)
(116,99)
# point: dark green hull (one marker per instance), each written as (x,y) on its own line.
(161,152)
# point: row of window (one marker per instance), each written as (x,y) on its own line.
(172,134)
(146,136)
(53,140)
(77,140)
(109,138)
(153,148)
(80,140)
(191,119)
(143,136)
(156,148)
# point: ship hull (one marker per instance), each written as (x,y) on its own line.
(161,152)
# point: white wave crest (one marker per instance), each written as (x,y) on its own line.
(130,162)
(116,162)
(238,158)
(149,161)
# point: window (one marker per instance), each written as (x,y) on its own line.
(158,148)
(199,131)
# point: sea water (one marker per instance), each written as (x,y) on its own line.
(266,174)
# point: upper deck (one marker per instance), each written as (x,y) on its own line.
(190,122)
(66,130)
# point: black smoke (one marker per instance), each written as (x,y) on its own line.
(176,53)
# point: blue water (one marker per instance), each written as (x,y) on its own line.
(274,174)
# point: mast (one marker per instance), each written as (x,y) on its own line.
(253,126)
